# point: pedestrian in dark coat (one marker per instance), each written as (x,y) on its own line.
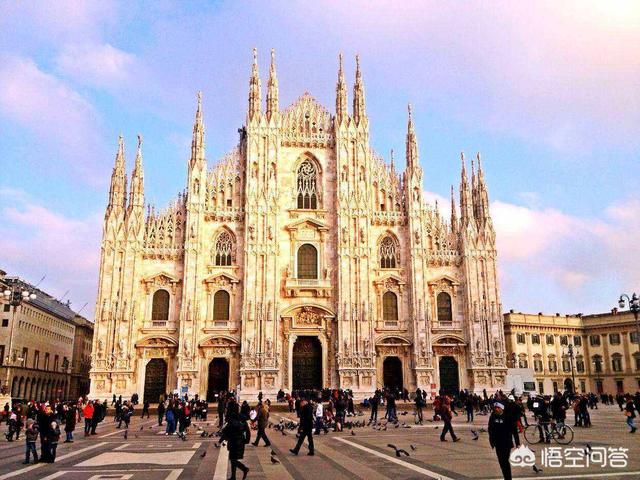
(501,432)
(237,434)
(70,422)
(306,427)
(262,421)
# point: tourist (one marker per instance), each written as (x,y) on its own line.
(237,434)
(374,402)
(55,438)
(222,405)
(31,436)
(306,427)
(445,414)
(161,410)
(262,420)
(468,406)
(88,411)
(501,431)
(419,405)
(145,409)
(629,412)
(70,418)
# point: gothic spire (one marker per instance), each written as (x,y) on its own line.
(359,107)
(272,89)
(136,194)
(118,187)
(412,144)
(197,141)
(466,207)
(483,194)
(341,94)
(255,99)
(454,215)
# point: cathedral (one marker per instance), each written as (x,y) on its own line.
(300,259)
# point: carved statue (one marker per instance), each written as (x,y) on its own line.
(269,347)
(367,347)
(100,348)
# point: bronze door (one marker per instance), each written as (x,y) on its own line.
(218,378)
(155,380)
(392,373)
(449,381)
(307,364)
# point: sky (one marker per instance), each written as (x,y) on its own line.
(549,94)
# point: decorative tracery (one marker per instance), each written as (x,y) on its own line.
(307,186)
(388,253)
(223,249)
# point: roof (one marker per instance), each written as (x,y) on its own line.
(46,302)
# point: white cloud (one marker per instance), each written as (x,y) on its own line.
(45,242)
(101,65)
(57,115)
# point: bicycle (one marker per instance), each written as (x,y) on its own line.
(560,432)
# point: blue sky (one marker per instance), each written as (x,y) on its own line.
(549,95)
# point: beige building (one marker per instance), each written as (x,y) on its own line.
(81,363)
(37,345)
(605,350)
(301,259)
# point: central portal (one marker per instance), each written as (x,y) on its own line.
(307,364)
(449,380)
(155,380)
(218,378)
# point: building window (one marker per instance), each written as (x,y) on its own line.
(36,359)
(537,364)
(614,339)
(597,363)
(307,262)
(55,363)
(555,387)
(566,364)
(577,341)
(390,307)
(594,340)
(564,340)
(160,308)
(633,337)
(535,339)
(636,357)
(580,364)
(540,387)
(7,307)
(221,301)
(444,307)
(5,322)
(25,356)
(46,361)
(307,186)
(616,362)
(522,362)
(520,338)
(223,249)
(553,364)
(388,253)
(549,339)
(583,386)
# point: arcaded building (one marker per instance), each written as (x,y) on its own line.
(300,259)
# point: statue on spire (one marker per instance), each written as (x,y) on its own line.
(412,144)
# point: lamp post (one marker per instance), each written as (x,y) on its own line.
(573,376)
(634,306)
(597,363)
(14,295)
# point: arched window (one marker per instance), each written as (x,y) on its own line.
(221,306)
(307,262)
(160,310)
(388,253)
(307,186)
(616,362)
(444,307)
(390,307)
(223,249)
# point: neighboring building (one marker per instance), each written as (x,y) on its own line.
(81,364)
(37,344)
(300,260)
(605,346)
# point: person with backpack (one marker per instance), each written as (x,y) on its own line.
(31,437)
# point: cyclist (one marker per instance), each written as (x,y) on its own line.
(542,411)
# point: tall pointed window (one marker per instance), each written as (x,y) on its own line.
(160,309)
(307,262)
(390,307)
(307,186)
(388,253)
(444,307)
(223,249)
(221,306)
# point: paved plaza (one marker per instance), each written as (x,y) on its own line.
(147,453)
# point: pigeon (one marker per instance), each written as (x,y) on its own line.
(215,444)
(403,413)
(536,469)
(273,453)
(274,460)
(398,450)
(413,447)
(437,427)
(126,434)
(204,454)
(353,433)
(203,434)
(283,433)
(483,430)
(141,428)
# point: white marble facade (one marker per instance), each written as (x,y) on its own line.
(301,249)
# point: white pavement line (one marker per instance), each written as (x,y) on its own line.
(221,465)
(53,475)
(580,475)
(122,447)
(408,465)
(197,445)
(121,431)
(62,457)
(174,474)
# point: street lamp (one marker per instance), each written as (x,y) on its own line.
(634,306)
(14,295)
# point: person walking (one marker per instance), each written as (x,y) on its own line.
(87,411)
(262,420)
(629,412)
(161,410)
(306,427)
(501,432)
(237,434)
(31,437)
(468,406)
(70,416)
(222,405)
(375,401)
(55,438)
(445,414)
(419,405)
(145,409)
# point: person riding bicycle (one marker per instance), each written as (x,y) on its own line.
(542,411)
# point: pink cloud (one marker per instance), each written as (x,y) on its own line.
(97,64)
